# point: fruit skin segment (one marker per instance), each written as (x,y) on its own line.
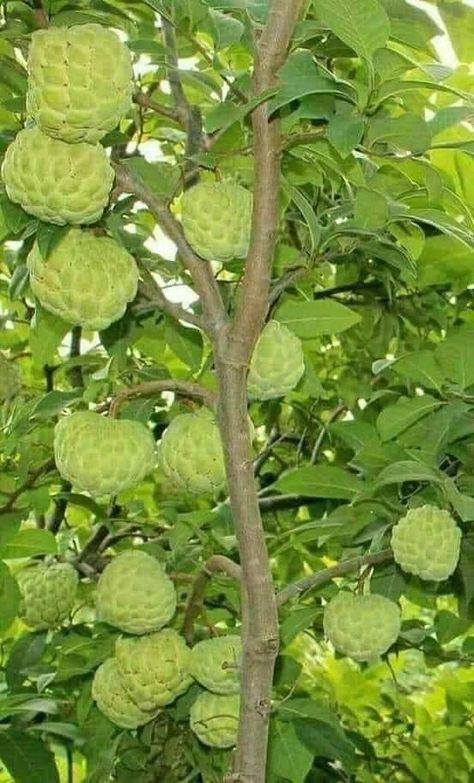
(215,719)
(277,363)
(10,379)
(48,593)
(112,698)
(361,626)
(426,542)
(208,661)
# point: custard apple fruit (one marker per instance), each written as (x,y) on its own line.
(100,455)
(217,219)
(134,593)
(215,719)
(361,626)
(57,182)
(10,379)
(155,668)
(79,82)
(113,700)
(277,364)
(215,663)
(87,280)
(426,542)
(48,592)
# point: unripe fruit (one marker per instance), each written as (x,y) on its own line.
(57,182)
(87,280)
(215,719)
(191,453)
(134,593)
(215,663)
(277,364)
(112,698)
(216,219)
(426,542)
(361,626)
(79,81)
(100,455)
(48,593)
(10,379)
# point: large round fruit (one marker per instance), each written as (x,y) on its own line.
(277,363)
(87,280)
(57,182)
(217,220)
(100,455)
(215,719)
(48,593)
(79,81)
(426,542)
(10,379)
(361,626)
(215,664)
(134,593)
(113,700)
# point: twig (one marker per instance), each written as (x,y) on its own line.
(159,300)
(172,65)
(319,440)
(195,603)
(152,388)
(29,482)
(40,14)
(286,281)
(142,99)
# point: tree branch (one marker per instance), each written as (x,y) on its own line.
(142,99)
(158,300)
(152,388)
(40,14)
(195,603)
(28,483)
(172,66)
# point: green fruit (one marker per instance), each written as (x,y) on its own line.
(57,182)
(361,626)
(10,379)
(215,719)
(48,593)
(79,81)
(100,455)
(154,669)
(191,453)
(217,220)
(87,280)
(277,364)
(426,542)
(215,663)
(112,698)
(134,593)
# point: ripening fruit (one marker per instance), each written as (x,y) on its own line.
(87,280)
(361,626)
(216,219)
(10,379)
(277,363)
(215,664)
(154,668)
(135,594)
(79,81)
(112,698)
(57,182)
(100,455)
(215,719)
(48,593)
(426,542)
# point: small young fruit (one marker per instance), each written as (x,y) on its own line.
(215,719)
(215,663)
(361,626)
(191,454)
(112,698)
(426,542)
(277,364)
(48,593)
(10,379)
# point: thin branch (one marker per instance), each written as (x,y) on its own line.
(195,603)
(172,66)
(152,388)
(287,281)
(28,483)
(158,301)
(143,100)
(40,14)
(303,138)
(319,440)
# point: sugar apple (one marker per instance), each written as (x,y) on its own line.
(10,379)
(426,542)
(87,280)
(79,82)
(100,455)
(215,719)
(113,700)
(191,453)
(154,668)
(134,593)
(217,220)
(361,626)
(214,663)
(48,592)
(57,182)
(277,363)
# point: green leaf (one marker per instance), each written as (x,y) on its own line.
(54,402)
(312,319)
(300,77)
(462,504)
(361,24)
(443,222)
(308,213)
(420,367)
(48,236)
(186,343)
(407,133)
(408,471)
(456,358)
(25,653)
(466,567)
(345,132)
(370,209)
(320,481)
(397,418)
(46,334)
(9,598)
(161,178)
(288,757)
(449,626)
(27,758)
(297,621)
(326,741)
(30,542)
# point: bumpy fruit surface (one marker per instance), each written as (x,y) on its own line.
(87,280)
(191,453)
(215,719)
(113,700)
(57,182)
(154,669)
(10,379)
(426,542)
(79,81)
(134,593)
(361,626)
(47,594)
(217,220)
(277,363)
(101,455)
(215,663)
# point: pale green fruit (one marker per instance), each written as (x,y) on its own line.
(215,719)
(10,379)
(277,364)
(48,593)
(113,700)
(79,81)
(191,453)
(154,668)
(216,219)
(100,455)
(134,593)
(57,182)
(426,542)
(361,626)
(87,280)
(215,663)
